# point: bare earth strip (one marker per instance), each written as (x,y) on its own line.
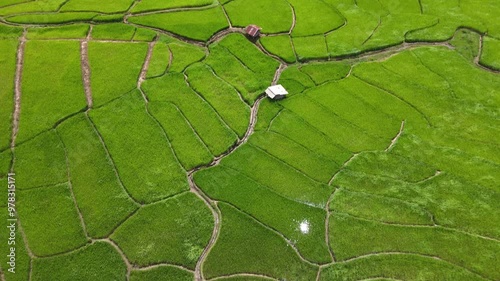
(17,89)
(86,72)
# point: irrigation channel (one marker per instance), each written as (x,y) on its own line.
(380,54)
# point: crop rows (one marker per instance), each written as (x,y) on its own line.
(139,154)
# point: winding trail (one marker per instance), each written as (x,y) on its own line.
(212,204)
(18,89)
(84,57)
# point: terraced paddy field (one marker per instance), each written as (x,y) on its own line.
(136,141)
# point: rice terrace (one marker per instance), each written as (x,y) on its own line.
(250,140)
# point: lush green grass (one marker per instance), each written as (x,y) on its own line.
(54,93)
(7,74)
(272,17)
(10,32)
(491,54)
(96,261)
(165,273)
(52,18)
(471,252)
(238,62)
(95,184)
(144,34)
(311,47)
(50,220)
(31,7)
(278,176)
(325,19)
(113,31)
(245,246)
(343,131)
(5,161)
(202,117)
(159,60)
(222,96)
(324,72)
(397,267)
(40,162)
(379,208)
(350,38)
(74,31)
(269,207)
(178,238)
(118,6)
(466,43)
(196,24)
(127,116)
(300,131)
(115,69)
(184,55)
(280,46)
(153,5)
(295,81)
(187,144)
(249,55)
(302,159)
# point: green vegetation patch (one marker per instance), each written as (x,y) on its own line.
(272,17)
(97,261)
(52,18)
(162,273)
(198,112)
(7,74)
(196,24)
(185,140)
(31,7)
(466,43)
(117,6)
(245,246)
(113,31)
(183,55)
(324,72)
(115,68)
(326,18)
(272,209)
(221,96)
(160,60)
(74,31)
(40,162)
(154,5)
(379,208)
(10,32)
(127,116)
(95,184)
(490,56)
(280,46)
(50,95)
(311,47)
(302,159)
(397,267)
(50,220)
(179,237)
(471,252)
(276,174)
(238,62)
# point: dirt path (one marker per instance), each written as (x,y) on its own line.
(396,138)
(18,89)
(84,57)
(147,61)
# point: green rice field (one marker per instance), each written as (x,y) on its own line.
(137,142)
